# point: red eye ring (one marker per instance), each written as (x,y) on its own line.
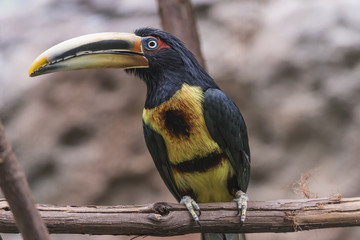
(153,44)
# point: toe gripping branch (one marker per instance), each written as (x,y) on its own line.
(191,205)
(241,199)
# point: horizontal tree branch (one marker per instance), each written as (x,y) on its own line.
(167,219)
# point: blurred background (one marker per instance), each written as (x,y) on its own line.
(291,66)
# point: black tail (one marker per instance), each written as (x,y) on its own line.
(222,236)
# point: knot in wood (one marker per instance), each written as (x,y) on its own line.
(162,208)
(6,208)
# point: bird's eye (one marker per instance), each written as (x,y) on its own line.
(150,43)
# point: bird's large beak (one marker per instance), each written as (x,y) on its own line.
(99,50)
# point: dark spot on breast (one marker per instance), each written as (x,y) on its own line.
(175,122)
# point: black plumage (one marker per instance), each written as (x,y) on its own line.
(169,68)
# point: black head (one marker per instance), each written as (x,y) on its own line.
(170,65)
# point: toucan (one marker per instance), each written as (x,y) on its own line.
(194,132)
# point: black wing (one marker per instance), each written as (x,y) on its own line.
(158,152)
(227,127)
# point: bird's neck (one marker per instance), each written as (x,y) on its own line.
(161,89)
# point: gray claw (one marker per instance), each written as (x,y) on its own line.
(241,199)
(191,205)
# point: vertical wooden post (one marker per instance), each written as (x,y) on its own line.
(17,192)
(178,18)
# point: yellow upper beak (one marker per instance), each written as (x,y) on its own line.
(99,50)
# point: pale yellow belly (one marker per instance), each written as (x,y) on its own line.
(209,186)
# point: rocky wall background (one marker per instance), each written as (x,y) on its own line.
(291,66)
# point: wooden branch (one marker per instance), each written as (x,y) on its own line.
(17,192)
(178,18)
(167,219)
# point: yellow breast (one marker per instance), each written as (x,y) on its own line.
(180,121)
(194,139)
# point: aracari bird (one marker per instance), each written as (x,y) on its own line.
(195,134)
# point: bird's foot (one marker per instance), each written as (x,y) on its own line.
(191,205)
(241,199)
